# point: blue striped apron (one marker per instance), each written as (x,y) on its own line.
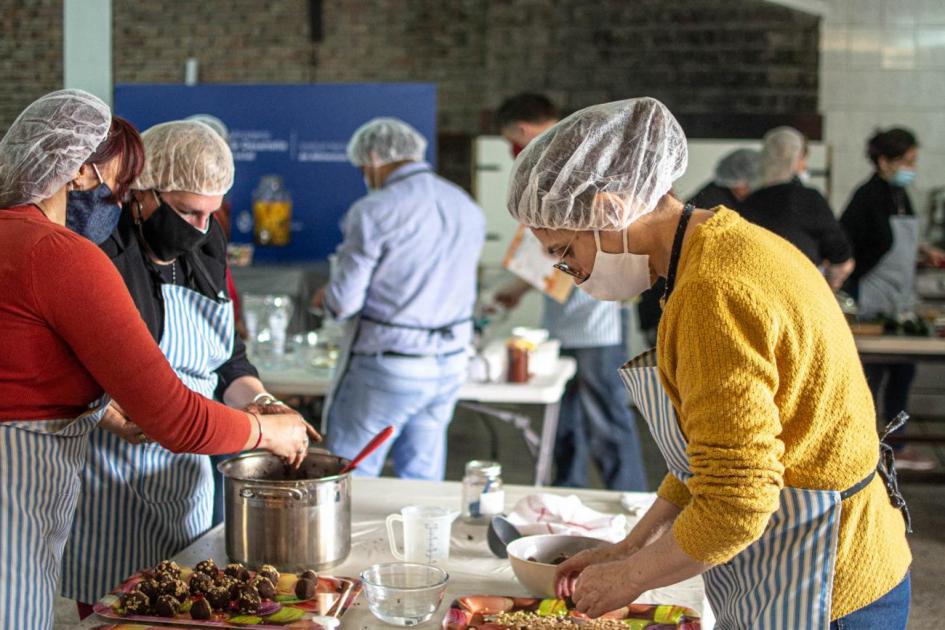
(40,464)
(141,503)
(783,580)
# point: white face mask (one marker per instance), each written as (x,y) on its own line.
(617,277)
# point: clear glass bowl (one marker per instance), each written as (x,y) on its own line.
(404,593)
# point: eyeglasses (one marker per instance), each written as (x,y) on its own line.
(565,267)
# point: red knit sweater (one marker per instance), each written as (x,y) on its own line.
(69,330)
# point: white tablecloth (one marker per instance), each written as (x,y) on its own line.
(473,569)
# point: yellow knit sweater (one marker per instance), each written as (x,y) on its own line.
(765,378)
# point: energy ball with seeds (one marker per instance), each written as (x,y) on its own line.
(168,567)
(200,583)
(269,571)
(264,586)
(237,571)
(248,600)
(135,603)
(167,606)
(201,609)
(208,567)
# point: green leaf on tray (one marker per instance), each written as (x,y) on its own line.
(186,605)
(285,615)
(289,599)
(245,620)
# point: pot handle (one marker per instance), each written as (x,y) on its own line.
(269,492)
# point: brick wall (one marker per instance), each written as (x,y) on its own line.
(706,58)
(30,53)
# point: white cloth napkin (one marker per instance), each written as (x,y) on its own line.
(554,514)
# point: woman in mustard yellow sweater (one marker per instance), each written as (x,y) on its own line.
(777,492)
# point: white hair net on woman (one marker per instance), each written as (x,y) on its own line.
(188,156)
(738,167)
(214,123)
(384,141)
(600,168)
(782,148)
(48,142)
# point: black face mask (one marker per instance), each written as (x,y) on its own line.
(168,234)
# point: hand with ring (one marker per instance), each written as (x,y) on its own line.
(287,435)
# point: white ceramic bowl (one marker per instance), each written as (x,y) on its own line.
(538,575)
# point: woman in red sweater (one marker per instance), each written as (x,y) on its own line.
(70,333)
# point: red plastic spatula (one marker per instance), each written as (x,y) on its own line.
(376,441)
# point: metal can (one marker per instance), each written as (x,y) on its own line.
(483,492)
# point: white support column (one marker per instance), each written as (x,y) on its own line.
(87,46)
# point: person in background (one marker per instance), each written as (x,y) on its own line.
(405,284)
(736,174)
(171,254)
(785,205)
(223,216)
(777,493)
(70,333)
(884,232)
(596,421)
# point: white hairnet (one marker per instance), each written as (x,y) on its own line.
(48,142)
(384,141)
(185,155)
(738,167)
(782,148)
(600,168)
(214,123)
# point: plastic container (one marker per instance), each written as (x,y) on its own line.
(272,212)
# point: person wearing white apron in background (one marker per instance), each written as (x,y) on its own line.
(172,256)
(404,285)
(884,233)
(71,332)
(779,493)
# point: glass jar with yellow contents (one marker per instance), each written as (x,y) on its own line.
(272,211)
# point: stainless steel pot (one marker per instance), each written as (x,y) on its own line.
(294,520)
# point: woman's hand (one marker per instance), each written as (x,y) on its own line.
(568,571)
(287,435)
(114,421)
(604,587)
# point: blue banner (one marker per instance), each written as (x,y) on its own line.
(298,132)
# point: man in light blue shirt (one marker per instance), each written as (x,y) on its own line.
(406,274)
(596,421)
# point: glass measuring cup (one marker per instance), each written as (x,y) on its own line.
(426,533)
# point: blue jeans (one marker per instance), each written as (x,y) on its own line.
(416,395)
(596,421)
(889,612)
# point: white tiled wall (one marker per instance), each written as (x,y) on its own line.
(883,64)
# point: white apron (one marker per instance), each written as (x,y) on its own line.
(141,503)
(40,464)
(888,287)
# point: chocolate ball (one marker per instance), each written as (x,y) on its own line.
(269,571)
(308,575)
(201,609)
(200,583)
(237,571)
(305,588)
(167,606)
(150,587)
(168,567)
(219,597)
(208,567)
(264,586)
(135,603)
(248,600)
(175,588)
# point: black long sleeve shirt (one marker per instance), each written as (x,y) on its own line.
(144,280)
(801,216)
(866,222)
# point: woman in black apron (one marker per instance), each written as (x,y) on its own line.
(777,493)
(884,233)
